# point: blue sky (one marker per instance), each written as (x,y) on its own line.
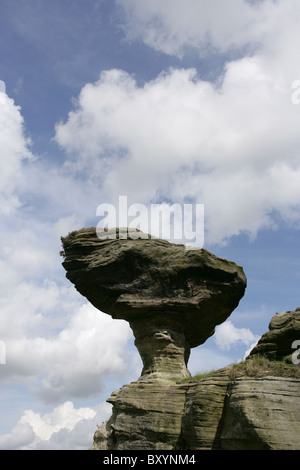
(186,101)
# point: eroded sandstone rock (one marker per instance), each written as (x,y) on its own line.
(147,415)
(262,414)
(214,413)
(277,343)
(172,297)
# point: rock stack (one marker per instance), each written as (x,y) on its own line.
(172,297)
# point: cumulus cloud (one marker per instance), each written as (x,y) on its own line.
(54,340)
(63,416)
(14,150)
(222,348)
(234,27)
(57,346)
(73,361)
(63,428)
(233,146)
(96,346)
(206,24)
(227,335)
(20,436)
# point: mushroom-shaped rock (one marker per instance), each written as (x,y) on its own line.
(172,297)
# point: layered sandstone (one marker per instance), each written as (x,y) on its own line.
(277,343)
(172,297)
(215,413)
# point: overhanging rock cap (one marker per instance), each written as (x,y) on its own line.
(190,291)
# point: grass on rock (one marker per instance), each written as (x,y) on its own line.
(257,366)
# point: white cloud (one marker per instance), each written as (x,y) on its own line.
(233,147)
(67,224)
(207,25)
(95,345)
(14,149)
(222,348)
(56,344)
(63,416)
(20,436)
(63,428)
(74,361)
(227,335)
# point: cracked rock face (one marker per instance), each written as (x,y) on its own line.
(173,298)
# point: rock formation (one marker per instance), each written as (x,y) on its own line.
(276,344)
(172,297)
(254,405)
(215,413)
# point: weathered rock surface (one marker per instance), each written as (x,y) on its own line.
(262,414)
(172,297)
(241,407)
(276,344)
(147,415)
(213,413)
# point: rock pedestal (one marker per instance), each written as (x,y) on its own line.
(164,352)
(172,297)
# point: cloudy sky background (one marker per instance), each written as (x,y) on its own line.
(187,101)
